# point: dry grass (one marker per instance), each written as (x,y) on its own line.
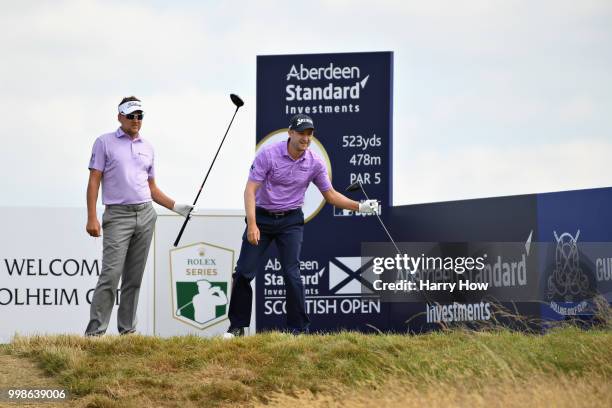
(540,391)
(22,372)
(459,368)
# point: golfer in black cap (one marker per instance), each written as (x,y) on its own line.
(273,200)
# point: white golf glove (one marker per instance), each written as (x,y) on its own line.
(369,207)
(183,209)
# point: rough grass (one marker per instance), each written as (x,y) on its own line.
(540,391)
(460,368)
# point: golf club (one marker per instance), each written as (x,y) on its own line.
(178,311)
(239,103)
(358,186)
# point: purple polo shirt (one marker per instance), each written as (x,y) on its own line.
(127,166)
(284,180)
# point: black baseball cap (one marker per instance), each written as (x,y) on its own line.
(301,122)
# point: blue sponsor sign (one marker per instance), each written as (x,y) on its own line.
(349,97)
(576,272)
(569,234)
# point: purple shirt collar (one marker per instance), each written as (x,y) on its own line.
(121,133)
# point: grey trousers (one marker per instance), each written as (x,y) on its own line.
(127,231)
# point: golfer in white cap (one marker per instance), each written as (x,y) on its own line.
(123,162)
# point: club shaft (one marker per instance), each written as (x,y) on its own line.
(184,306)
(180,234)
(389,235)
(381,222)
(425,295)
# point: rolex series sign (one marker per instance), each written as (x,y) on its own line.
(201,275)
(193,282)
(349,97)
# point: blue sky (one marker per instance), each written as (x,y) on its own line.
(491,97)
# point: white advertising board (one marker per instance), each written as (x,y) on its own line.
(49,267)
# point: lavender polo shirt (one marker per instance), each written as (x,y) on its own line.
(284,180)
(126,164)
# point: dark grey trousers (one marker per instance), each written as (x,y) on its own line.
(127,231)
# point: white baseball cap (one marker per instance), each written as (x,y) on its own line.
(129,107)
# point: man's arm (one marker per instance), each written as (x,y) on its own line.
(249,208)
(340,200)
(159,197)
(93,186)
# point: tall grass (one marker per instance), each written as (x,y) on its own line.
(191,371)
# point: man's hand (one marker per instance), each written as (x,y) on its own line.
(253,234)
(93,227)
(182,209)
(369,207)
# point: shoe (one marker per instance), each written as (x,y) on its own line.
(93,329)
(231,333)
(126,332)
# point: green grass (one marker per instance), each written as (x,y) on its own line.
(193,371)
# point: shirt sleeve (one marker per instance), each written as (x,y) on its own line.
(151,170)
(321,178)
(98,156)
(260,167)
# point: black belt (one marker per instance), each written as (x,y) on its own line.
(276,214)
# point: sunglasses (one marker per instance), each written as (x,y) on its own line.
(137,116)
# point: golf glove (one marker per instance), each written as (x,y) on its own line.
(369,207)
(183,209)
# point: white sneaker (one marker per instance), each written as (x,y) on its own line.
(239,332)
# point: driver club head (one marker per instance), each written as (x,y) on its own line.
(237,100)
(354,187)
